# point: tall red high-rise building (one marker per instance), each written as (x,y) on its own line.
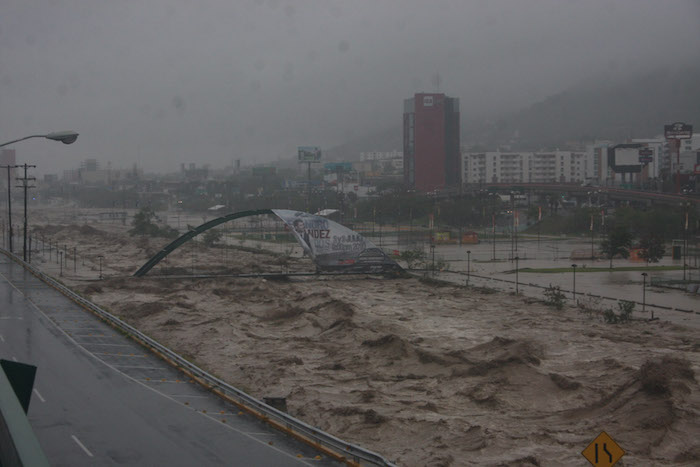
(431,142)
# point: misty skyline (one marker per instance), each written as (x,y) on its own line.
(161,83)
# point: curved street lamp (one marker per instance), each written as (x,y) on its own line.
(66,137)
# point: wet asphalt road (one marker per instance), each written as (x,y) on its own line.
(101,399)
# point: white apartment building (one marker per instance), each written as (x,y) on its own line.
(691,144)
(660,161)
(688,154)
(381,155)
(526,167)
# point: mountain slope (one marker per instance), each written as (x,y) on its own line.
(604,109)
(638,107)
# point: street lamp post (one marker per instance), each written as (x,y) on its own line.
(644,294)
(469,254)
(432,254)
(60,254)
(9,202)
(517,258)
(100,258)
(574,268)
(685,241)
(66,137)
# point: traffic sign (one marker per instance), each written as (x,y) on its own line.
(603,451)
(646,152)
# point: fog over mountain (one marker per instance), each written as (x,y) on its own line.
(168,81)
(636,107)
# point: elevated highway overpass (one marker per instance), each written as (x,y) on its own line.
(581,191)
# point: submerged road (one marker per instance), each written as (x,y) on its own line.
(101,399)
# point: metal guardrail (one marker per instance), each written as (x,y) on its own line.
(563,290)
(327,443)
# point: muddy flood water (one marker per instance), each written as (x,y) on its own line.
(422,372)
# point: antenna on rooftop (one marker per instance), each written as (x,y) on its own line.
(437,80)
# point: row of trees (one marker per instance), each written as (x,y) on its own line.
(619,241)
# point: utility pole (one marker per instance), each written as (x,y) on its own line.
(9,200)
(308,186)
(592,234)
(512,234)
(25,185)
(493,226)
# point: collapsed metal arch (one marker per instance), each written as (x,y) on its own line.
(193,233)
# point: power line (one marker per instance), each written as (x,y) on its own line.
(26,186)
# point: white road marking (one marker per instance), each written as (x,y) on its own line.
(139,367)
(39,395)
(2,339)
(99,343)
(142,383)
(77,441)
(11,317)
(119,355)
(14,358)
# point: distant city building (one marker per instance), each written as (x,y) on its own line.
(526,167)
(381,155)
(689,154)
(90,165)
(375,165)
(660,162)
(431,145)
(89,173)
(193,173)
(691,144)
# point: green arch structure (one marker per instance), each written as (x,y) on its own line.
(193,233)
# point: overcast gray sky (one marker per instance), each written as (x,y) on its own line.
(160,82)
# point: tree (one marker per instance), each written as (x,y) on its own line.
(618,243)
(144,225)
(412,258)
(652,248)
(143,222)
(211,236)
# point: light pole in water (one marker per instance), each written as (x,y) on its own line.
(644,294)
(517,258)
(100,258)
(573,266)
(469,254)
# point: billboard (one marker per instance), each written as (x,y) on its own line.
(678,130)
(338,166)
(334,247)
(309,154)
(646,155)
(625,158)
